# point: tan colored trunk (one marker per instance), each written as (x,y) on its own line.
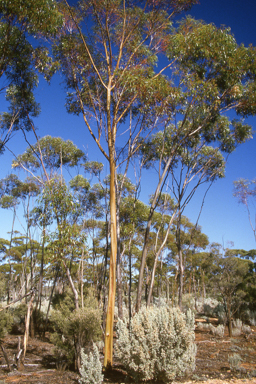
(108,355)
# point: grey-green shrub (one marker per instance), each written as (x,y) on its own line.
(159,345)
(237,323)
(236,332)
(91,370)
(235,361)
(246,329)
(217,331)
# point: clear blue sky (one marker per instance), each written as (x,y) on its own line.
(222,218)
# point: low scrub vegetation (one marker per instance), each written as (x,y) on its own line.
(157,344)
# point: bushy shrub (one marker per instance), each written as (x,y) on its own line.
(207,305)
(188,302)
(91,370)
(235,362)
(217,331)
(236,332)
(246,329)
(74,329)
(159,345)
(220,330)
(6,321)
(237,323)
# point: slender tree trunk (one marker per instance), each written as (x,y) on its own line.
(40,284)
(82,279)
(26,334)
(119,268)
(229,321)
(50,299)
(105,274)
(10,282)
(76,297)
(180,258)
(157,256)
(108,356)
(181,277)
(167,289)
(130,281)
(145,246)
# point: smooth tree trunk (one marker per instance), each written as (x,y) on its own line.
(27,321)
(50,300)
(181,277)
(40,283)
(119,269)
(74,290)
(109,332)
(147,232)
(157,257)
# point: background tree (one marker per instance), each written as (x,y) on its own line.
(205,89)
(229,279)
(245,192)
(19,21)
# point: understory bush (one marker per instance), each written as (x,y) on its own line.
(188,302)
(159,345)
(239,327)
(6,321)
(217,331)
(91,370)
(236,332)
(235,362)
(74,329)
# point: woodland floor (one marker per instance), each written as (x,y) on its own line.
(212,364)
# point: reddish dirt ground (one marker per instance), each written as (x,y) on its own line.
(212,364)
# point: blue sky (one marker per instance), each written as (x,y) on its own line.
(222,218)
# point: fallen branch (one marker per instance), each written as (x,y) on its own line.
(6,358)
(18,354)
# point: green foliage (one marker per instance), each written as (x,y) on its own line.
(6,321)
(2,286)
(91,371)
(159,345)
(74,329)
(20,60)
(55,152)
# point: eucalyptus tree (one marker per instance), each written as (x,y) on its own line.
(109,64)
(162,222)
(48,156)
(245,192)
(229,280)
(20,21)
(249,282)
(133,216)
(10,193)
(45,161)
(110,67)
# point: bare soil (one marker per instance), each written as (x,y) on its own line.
(212,364)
